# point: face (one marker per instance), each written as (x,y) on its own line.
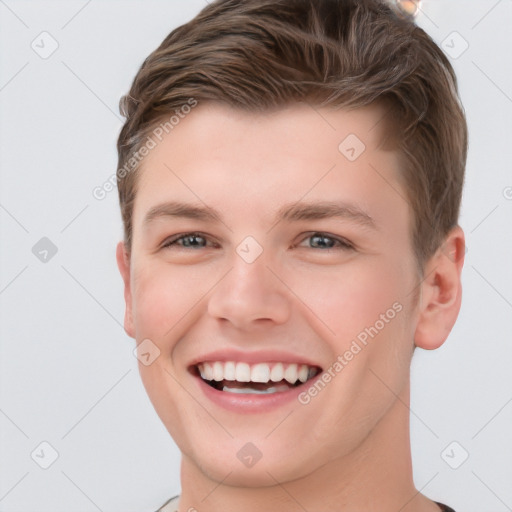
(272,271)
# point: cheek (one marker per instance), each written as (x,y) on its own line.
(351,297)
(164,297)
(365,305)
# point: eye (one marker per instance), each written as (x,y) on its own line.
(186,241)
(317,240)
(325,241)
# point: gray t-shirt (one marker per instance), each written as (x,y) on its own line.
(172,506)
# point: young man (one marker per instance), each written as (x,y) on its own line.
(290,176)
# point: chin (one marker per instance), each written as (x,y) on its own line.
(225,463)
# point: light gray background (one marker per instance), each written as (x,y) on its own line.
(67,372)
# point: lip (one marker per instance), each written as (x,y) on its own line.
(250,403)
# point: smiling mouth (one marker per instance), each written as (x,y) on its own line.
(259,378)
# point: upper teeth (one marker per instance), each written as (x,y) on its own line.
(260,372)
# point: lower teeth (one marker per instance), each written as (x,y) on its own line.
(252,391)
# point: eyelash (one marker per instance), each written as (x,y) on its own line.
(341,243)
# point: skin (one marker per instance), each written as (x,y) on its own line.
(348,449)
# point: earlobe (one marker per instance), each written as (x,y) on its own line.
(441,292)
(123,263)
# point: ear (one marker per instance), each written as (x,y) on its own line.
(441,292)
(123,263)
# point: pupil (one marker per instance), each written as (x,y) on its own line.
(320,241)
(189,241)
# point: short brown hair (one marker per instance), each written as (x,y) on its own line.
(264,54)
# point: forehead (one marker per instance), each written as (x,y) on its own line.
(232,159)
(297,123)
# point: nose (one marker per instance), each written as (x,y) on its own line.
(250,295)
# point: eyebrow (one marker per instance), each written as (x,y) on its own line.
(324,210)
(183,210)
(293,212)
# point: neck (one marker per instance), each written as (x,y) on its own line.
(376,475)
